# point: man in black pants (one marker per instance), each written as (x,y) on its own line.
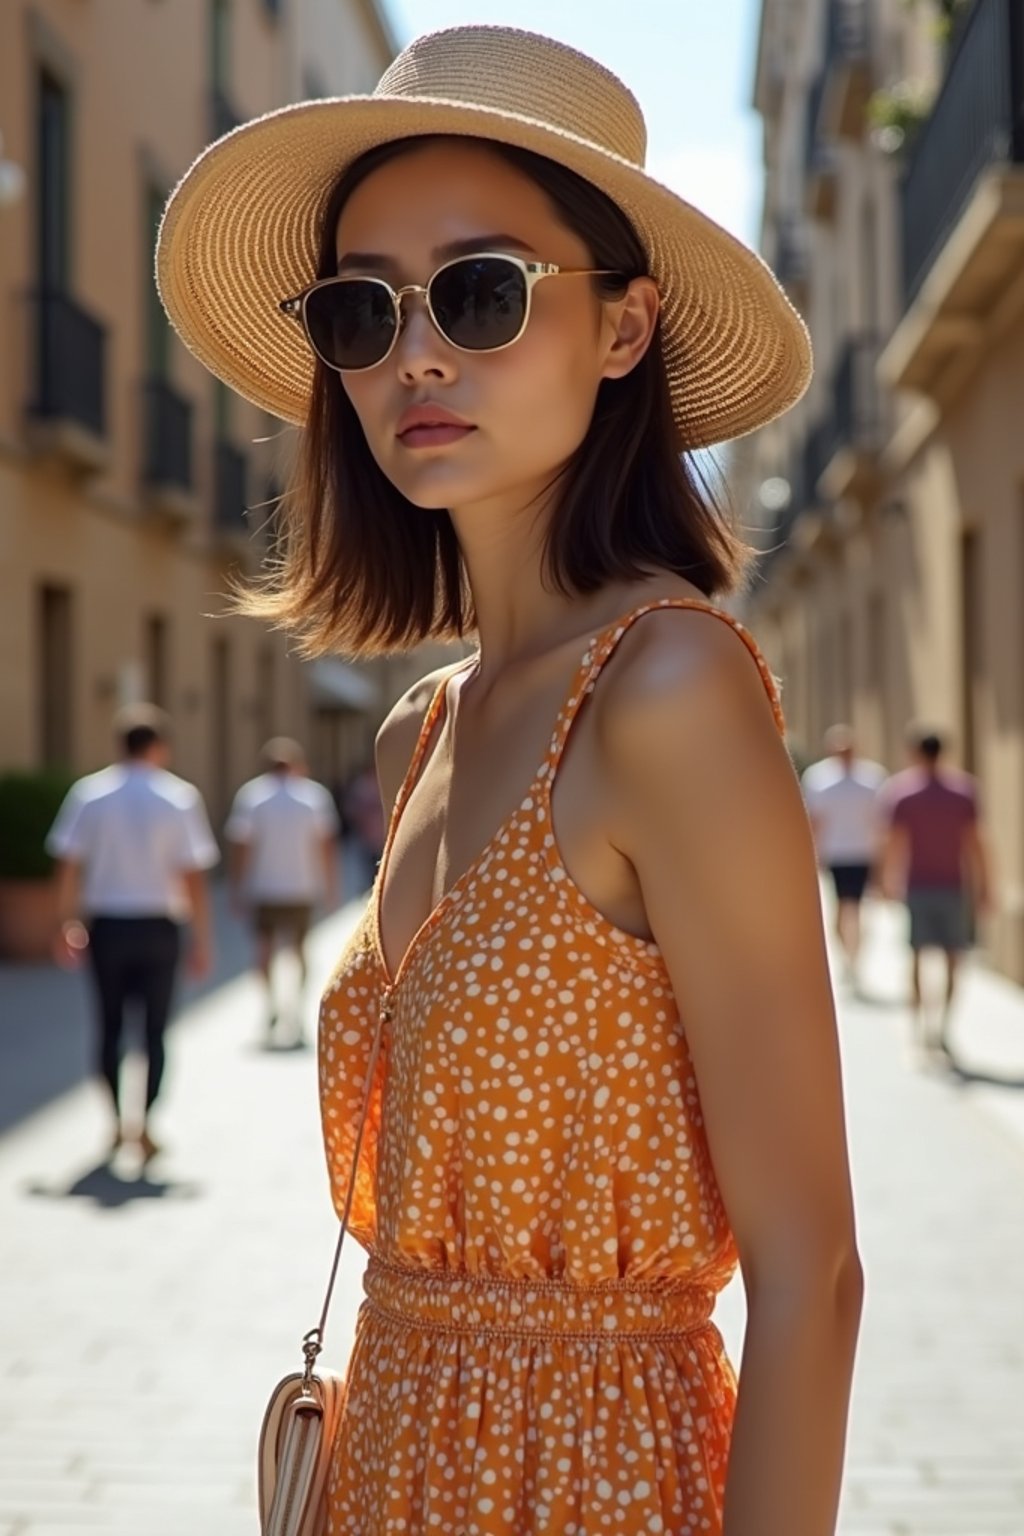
(132,845)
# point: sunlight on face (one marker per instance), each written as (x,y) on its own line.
(529,405)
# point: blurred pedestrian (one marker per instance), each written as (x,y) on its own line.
(283,832)
(364,816)
(132,844)
(936,859)
(841,796)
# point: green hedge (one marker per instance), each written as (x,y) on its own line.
(29,801)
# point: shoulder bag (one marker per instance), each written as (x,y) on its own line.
(302,1418)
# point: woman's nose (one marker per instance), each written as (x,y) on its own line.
(421,349)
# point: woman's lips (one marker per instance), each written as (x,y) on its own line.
(436,436)
(429,424)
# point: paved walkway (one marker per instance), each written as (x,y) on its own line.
(145,1319)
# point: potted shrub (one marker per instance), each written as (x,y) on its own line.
(29,801)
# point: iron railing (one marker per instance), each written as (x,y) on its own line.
(846,32)
(801,498)
(977,120)
(230,498)
(69,355)
(819,149)
(816,152)
(856,402)
(168,436)
(817,453)
(791,259)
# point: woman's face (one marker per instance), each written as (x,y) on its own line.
(529,405)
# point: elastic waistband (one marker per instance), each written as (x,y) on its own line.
(456,1303)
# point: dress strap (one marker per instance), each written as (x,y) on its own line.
(604,642)
(429,719)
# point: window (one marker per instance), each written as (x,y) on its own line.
(845,668)
(220,725)
(972,660)
(264,694)
(222,411)
(157,660)
(157,329)
(54,180)
(220,19)
(869,263)
(879,666)
(313,86)
(54,676)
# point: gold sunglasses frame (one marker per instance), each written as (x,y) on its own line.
(533,272)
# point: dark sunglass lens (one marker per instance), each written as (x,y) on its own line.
(351,323)
(479,303)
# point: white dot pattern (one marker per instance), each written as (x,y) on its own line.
(546,1234)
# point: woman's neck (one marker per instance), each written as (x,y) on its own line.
(518,616)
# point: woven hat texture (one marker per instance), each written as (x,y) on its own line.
(239,232)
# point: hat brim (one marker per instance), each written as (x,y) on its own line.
(239,234)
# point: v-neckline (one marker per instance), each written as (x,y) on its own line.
(448,899)
(537,783)
(453,892)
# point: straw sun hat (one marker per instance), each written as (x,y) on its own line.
(239,230)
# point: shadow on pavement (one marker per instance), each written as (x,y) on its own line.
(966,1076)
(46,1014)
(111,1192)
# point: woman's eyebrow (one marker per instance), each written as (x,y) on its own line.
(452,248)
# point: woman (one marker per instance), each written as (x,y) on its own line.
(593,955)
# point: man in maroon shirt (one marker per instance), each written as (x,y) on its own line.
(934,858)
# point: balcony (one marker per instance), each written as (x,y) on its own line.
(796,527)
(852,438)
(963,210)
(847,71)
(819,159)
(813,524)
(167,450)
(67,411)
(230,496)
(816,455)
(792,265)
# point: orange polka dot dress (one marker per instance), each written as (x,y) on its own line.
(534,1355)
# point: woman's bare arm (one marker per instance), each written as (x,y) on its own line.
(713,822)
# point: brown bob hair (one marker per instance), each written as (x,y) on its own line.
(361,570)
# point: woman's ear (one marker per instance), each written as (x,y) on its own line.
(632,320)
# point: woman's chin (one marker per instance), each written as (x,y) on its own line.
(436,493)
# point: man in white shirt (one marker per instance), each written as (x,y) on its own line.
(283,832)
(841,793)
(132,844)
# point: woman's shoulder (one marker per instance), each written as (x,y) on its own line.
(398,734)
(686,658)
(688,738)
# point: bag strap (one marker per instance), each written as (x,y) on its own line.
(313,1341)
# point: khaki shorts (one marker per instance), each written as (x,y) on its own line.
(292,916)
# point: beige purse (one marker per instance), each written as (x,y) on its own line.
(302,1418)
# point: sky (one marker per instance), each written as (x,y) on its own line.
(690,63)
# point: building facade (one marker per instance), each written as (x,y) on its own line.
(131,483)
(891,502)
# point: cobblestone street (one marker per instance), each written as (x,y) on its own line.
(144,1320)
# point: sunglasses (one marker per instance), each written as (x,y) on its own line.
(478,303)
